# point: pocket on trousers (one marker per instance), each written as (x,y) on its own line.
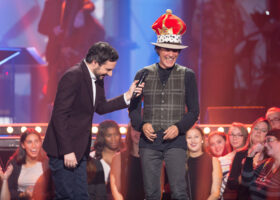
(55,164)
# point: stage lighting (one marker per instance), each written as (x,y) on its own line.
(23,129)
(249,129)
(206,130)
(38,129)
(221,129)
(123,130)
(94,129)
(10,129)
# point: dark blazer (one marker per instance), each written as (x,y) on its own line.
(69,129)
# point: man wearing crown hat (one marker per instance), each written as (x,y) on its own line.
(169,89)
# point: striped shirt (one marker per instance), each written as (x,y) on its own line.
(262,182)
(226,162)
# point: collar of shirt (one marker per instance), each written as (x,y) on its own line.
(93,79)
(164,73)
(92,76)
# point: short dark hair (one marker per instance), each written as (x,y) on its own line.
(275,133)
(158,48)
(101,52)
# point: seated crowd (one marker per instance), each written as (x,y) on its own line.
(240,164)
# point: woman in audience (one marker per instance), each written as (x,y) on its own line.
(238,135)
(217,144)
(258,133)
(30,176)
(204,175)
(107,144)
(238,139)
(264,180)
(126,174)
(233,189)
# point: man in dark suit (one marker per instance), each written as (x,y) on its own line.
(80,93)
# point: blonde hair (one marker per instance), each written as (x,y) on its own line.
(244,132)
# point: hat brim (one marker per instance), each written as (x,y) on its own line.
(170,45)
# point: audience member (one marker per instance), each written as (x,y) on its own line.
(28,168)
(234,189)
(27,175)
(204,174)
(107,144)
(126,173)
(217,144)
(238,136)
(264,180)
(273,116)
(5,193)
(258,133)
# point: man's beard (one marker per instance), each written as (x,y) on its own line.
(100,77)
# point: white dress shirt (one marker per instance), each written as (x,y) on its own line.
(93,79)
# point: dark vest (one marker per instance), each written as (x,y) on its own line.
(164,104)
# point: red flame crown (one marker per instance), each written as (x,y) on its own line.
(169,24)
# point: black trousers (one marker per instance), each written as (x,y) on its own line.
(69,183)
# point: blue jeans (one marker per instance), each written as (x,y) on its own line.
(70,183)
(175,160)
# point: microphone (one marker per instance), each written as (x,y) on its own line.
(141,80)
